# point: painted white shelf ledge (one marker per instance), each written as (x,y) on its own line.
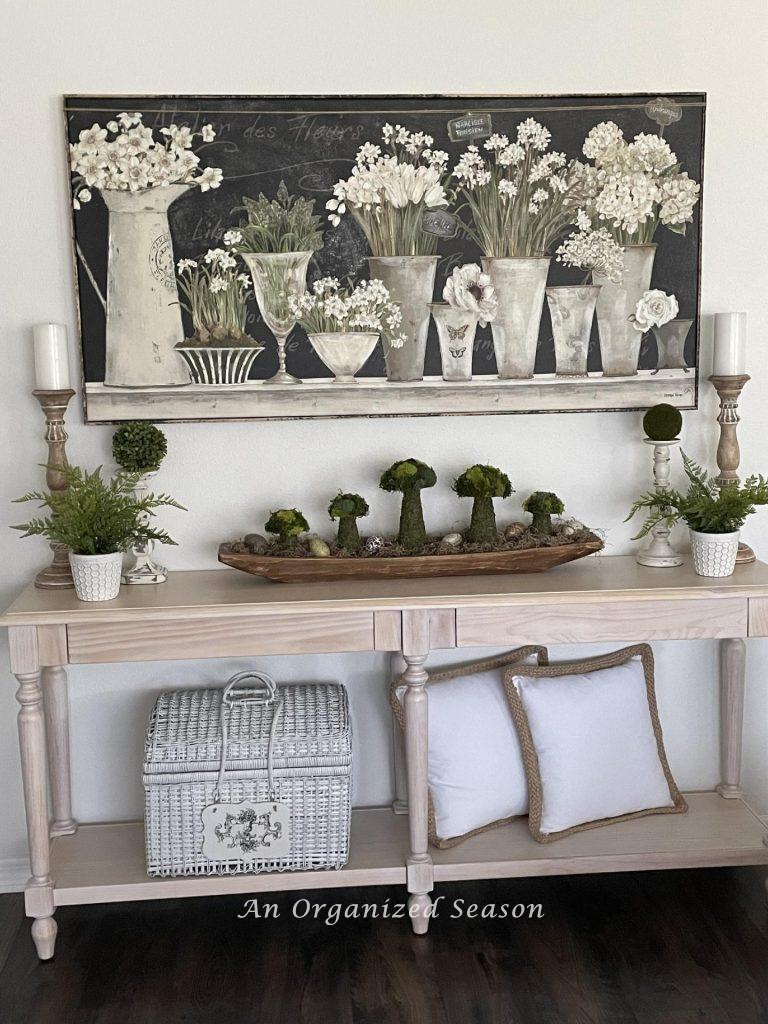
(105,863)
(374,396)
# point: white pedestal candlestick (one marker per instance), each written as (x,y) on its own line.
(659,553)
(51,357)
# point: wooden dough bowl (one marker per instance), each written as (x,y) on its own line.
(310,570)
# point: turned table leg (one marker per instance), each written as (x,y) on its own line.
(419,863)
(398,665)
(56,703)
(732,671)
(38,894)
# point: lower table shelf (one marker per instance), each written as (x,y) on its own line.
(105,863)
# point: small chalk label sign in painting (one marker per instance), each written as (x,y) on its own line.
(469,127)
(664,111)
(440,223)
(246,831)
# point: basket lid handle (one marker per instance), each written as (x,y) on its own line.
(235,691)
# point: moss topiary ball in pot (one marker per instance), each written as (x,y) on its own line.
(139,447)
(662,423)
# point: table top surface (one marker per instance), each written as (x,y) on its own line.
(227,592)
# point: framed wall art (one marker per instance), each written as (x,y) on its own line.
(290,257)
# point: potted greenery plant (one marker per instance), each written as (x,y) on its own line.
(348,508)
(287,524)
(97,520)
(409,477)
(277,242)
(139,448)
(543,505)
(483,484)
(714,515)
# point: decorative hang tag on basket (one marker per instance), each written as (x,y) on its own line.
(248,831)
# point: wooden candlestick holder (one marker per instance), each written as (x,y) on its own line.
(729,390)
(58,574)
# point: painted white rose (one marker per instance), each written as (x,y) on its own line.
(469,288)
(654,309)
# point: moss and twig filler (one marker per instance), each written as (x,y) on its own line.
(482,484)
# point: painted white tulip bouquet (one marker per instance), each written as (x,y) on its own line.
(331,309)
(389,190)
(632,187)
(127,155)
(520,197)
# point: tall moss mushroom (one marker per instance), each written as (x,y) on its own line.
(287,523)
(139,447)
(348,508)
(483,484)
(543,505)
(409,477)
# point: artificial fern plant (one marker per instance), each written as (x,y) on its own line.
(97,517)
(706,506)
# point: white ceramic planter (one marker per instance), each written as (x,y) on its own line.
(97,577)
(714,554)
(344,352)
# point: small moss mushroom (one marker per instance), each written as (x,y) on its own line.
(139,447)
(287,523)
(348,508)
(543,505)
(662,423)
(483,484)
(409,477)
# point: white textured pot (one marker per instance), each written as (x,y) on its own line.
(344,352)
(520,282)
(97,577)
(714,554)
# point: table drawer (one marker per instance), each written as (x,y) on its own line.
(621,621)
(221,637)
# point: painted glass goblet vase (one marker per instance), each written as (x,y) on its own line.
(670,339)
(277,278)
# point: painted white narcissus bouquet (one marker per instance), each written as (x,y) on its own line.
(126,155)
(635,186)
(215,297)
(654,309)
(520,197)
(390,188)
(330,309)
(468,288)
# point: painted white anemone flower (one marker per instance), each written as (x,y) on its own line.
(469,288)
(654,309)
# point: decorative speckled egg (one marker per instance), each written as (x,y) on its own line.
(319,548)
(374,544)
(452,539)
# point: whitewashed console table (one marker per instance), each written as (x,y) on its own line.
(218,614)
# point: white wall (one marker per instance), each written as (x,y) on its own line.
(228,474)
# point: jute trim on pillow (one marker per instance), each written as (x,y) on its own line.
(501,661)
(530,758)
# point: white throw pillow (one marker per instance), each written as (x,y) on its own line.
(596,748)
(475,766)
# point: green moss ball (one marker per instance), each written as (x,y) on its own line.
(662,423)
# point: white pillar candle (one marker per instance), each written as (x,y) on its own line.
(730,355)
(51,357)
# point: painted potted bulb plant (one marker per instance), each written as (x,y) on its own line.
(344,324)
(542,505)
(482,484)
(97,520)
(139,448)
(219,350)
(277,242)
(469,300)
(391,187)
(410,477)
(714,515)
(287,524)
(348,508)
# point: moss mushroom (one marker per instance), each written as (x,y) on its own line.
(409,477)
(543,505)
(662,423)
(139,447)
(287,523)
(348,508)
(483,484)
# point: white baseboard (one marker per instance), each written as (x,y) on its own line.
(14,873)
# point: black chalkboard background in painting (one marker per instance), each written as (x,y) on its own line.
(311,142)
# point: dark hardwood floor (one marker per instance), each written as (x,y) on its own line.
(659,948)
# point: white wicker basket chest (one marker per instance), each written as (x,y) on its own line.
(248,778)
